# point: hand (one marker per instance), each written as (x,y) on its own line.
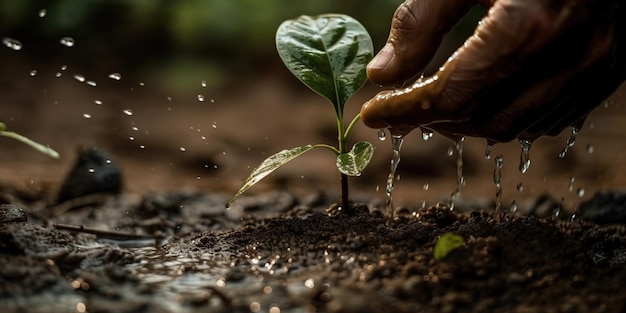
(532,67)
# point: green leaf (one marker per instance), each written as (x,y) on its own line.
(445,244)
(355,161)
(268,166)
(328,53)
(3,127)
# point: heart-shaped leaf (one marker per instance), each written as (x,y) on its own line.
(328,53)
(268,166)
(355,161)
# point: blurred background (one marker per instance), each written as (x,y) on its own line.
(191,95)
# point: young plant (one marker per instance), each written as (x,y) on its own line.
(328,53)
(446,244)
(37,146)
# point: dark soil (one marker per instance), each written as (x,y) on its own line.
(274,252)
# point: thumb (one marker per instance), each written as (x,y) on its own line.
(417,29)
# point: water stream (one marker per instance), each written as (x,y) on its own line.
(396,145)
(460,180)
(570,142)
(497,179)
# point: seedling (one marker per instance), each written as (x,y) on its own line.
(37,146)
(328,53)
(445,244)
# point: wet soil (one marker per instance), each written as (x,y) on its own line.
(276,252)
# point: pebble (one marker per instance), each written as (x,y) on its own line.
(10,213)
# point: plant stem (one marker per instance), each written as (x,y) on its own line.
(343,200)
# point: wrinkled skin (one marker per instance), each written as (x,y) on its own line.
(532,67)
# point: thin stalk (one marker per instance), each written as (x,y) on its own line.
(343,200)
(39,147)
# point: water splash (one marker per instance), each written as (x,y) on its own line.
(396,145)
(524,160)
(12,43)
(570,142)
(381,135)
(460,180)
(497,179)
(67,41)
(427,134)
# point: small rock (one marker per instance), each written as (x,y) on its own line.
(10,213)
(606,207)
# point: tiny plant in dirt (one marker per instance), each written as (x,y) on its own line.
(329,54)
(446,244)
(37,146)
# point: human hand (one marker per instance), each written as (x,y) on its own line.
(532,67)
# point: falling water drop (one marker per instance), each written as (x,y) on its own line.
(580,192)
(115,76)
(488,151)
(214,125)
(67,41)
(87,115)
(460,180)
(12,43)
(513,208)
(520,187)
(590,148)
(58,74)
(203,83)
(570,186)
(91,83)
(79,78)
(396,145)
(497,179)
(381,135)
(524,160)
(426,186)
(201,98)
(570,142)
(128,112)
(97,102)
(183,149)
(33,72)
(427,134)
(42,12)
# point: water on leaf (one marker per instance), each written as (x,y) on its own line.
(67,41)
(524,160)
(497,179)
(570,142)
(396,145)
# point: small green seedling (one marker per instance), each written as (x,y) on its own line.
(329,54)
(445,244)
(39,147)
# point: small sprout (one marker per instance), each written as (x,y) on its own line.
(445,244)
(37,146)
(328,53)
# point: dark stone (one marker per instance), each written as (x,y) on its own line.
(10,213)
(606,207)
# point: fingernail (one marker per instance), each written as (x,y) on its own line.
(383,57)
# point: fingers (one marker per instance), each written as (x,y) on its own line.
(416,32)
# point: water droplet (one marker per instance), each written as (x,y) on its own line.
(426,134)
(570,142)
(97,102)
(212,100)
(12,43)
(381,135)
(58,74)
(142,147)
(426,186)
(33,72)
(131,138)
(309,283)
(580,192)
(524,161)
(42,13)
(214,125)
(513,208)
(141,84)
(79,78)
(128,112)
(570,186)
(91,83)
(86,115)
(135,128)
(115,76)
(67,41)
(520,187)
(64,67)
(488,151)
(460,180)
(91,170)
(590,148)
(450,151)
(497,179)
(203,83)
(201,98)
(183,149)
